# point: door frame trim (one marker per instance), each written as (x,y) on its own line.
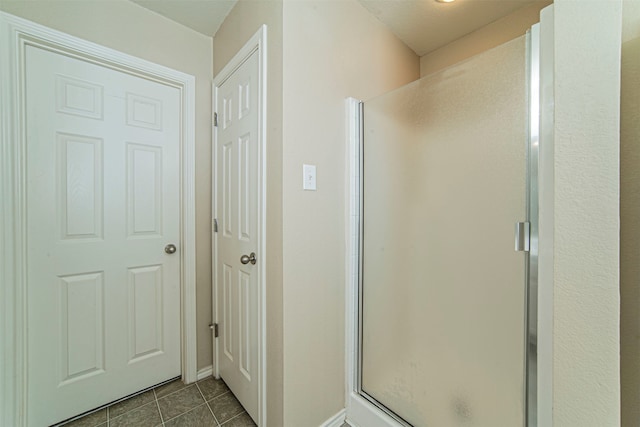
(256,44)
(15,35)
(359,411)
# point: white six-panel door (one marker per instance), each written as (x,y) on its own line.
(103,180)
(236,210)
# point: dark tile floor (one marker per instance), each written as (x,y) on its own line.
(207,403)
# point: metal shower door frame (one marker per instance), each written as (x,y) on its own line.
(357,398)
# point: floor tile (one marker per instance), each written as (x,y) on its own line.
(198,417)
(180,402)
(242,420)
(165,389)
(90,420)
(212,387)
(225,407)
(146,415)
(131,403)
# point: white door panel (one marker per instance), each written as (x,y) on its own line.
(236,208)
(103,201)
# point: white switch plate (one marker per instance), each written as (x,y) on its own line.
(309,177)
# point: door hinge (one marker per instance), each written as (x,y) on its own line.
(214,327)
(215,225)
(522,236)
(215,119)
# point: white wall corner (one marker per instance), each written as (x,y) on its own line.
(586,298)
(189,317)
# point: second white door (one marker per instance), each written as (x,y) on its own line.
(237,257)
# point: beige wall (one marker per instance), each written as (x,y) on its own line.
(332,50)
(241,23)
(630,215)
(129,28)
(586,389)
(485,38)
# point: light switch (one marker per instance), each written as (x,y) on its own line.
(309,177)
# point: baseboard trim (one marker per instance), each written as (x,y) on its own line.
(336,420)
(363,413)
(204,372)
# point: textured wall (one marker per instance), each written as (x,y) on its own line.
(132,29)
(586,262)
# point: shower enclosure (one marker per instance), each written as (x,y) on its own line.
(446,302)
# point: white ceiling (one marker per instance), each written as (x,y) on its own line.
(423,25)
(204,16)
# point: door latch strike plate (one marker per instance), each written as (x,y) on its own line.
(215,225)
(214,326)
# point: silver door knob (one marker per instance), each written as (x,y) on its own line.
(170,248)
(251,258)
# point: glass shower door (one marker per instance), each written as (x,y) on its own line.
(442,288)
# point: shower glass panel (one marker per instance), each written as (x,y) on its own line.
(442,289)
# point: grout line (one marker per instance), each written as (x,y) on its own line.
(214,415)
(216,397)
(222,394)
(185,413)
(208,406)
(158,406)
(173,392)
(206,402)
(108,415)
(235,416)
(201,393)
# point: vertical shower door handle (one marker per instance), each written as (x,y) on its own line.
(522,236)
